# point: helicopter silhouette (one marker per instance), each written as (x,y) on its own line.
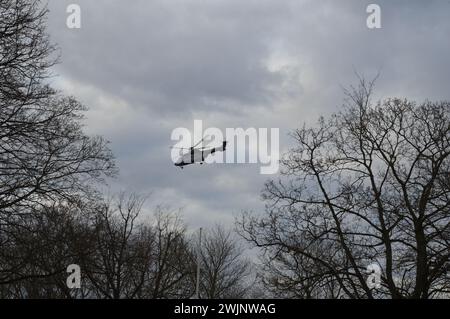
(197,155)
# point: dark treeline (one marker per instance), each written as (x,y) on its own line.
(51,214)
(119,254)
(368,185)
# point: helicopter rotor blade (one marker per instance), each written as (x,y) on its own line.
(179,148)
(192,147)
(200,141)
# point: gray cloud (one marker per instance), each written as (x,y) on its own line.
(173,56)
(146,67)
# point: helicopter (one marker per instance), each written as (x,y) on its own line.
(197,155)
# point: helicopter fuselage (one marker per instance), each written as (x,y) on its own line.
(198,155)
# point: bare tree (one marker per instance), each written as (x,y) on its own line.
(120,254)
(37,251)
(368,185)
(135,259)
(290,275)
(120,257)
(45,157)
(225,273)
(26,53)
(171,267)
(44,154)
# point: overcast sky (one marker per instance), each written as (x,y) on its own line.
(145,67)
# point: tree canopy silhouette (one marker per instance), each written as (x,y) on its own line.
(370,184)
(44,154)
